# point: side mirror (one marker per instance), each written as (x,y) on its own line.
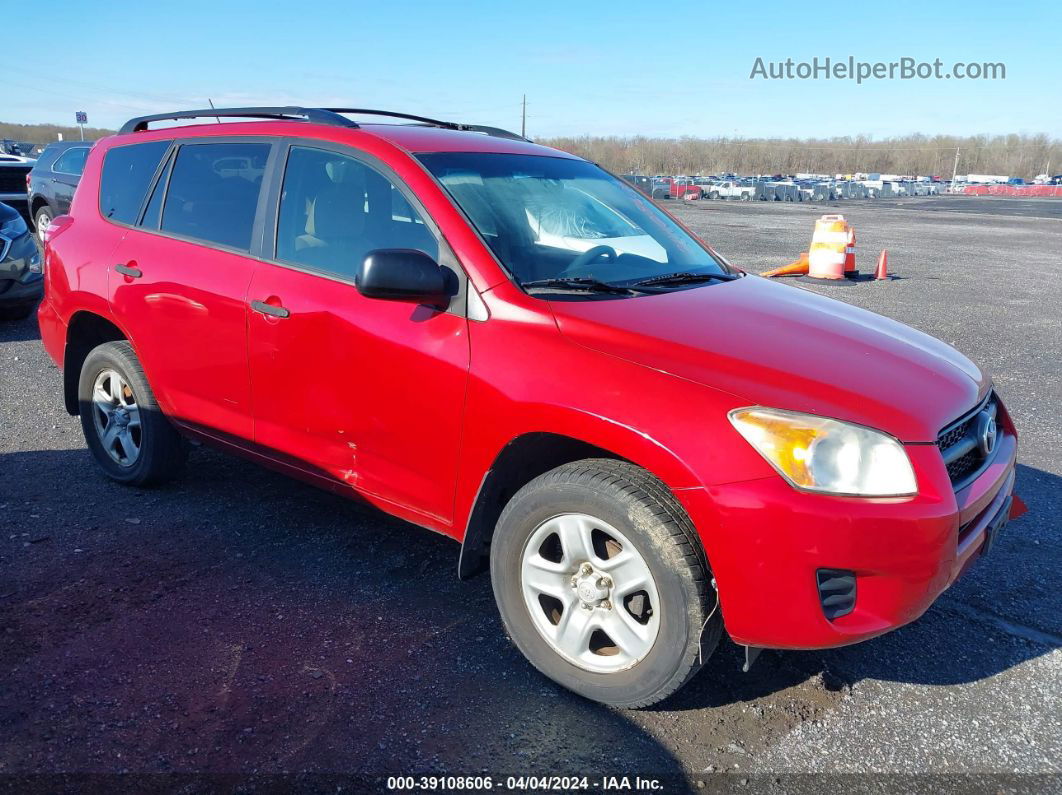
(400,274)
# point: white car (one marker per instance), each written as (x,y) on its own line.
(728,189)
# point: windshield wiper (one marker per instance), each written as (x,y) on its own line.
(584,284)
(686,277)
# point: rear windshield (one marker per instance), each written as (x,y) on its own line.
(127,173)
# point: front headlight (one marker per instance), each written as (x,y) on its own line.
(13,227)
(819,454)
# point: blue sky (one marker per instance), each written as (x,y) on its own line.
(676,68)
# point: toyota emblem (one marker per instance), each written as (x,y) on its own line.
(986,432)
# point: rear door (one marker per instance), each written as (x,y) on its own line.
(366,392)
(65,174)
(180,276)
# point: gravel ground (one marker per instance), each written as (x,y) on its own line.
(241,622)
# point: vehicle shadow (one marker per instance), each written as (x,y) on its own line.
(20,330)
(239,620)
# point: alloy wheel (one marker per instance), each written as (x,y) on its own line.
(116,416)
(590,593)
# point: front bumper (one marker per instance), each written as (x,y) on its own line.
(766,542)
(19,285)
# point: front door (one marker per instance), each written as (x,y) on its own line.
(366,392)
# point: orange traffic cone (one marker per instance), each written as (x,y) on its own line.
(883,266)
(792,269)
(850,269)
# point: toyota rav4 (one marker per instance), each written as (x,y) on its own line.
(504,343)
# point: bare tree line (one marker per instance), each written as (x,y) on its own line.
(1012,155)
(46,133)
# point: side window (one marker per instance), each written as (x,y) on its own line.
(213,192)
(127,173)
(72,161)
(334,210)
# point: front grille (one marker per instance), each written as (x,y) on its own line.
(965,465)
(13,178)
(954,436)
(960,446)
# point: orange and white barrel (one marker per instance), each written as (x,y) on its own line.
(826,257)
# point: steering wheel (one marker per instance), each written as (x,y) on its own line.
(589,256)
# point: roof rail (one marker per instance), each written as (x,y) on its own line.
(318,115)
(449,125)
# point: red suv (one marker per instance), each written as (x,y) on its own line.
(504,343)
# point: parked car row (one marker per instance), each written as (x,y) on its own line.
(778,188)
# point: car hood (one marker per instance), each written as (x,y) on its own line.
(769,344)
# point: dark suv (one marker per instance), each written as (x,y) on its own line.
(52,181)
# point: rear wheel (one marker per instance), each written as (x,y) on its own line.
(42,219)
(713,194)
(602,584)
(126,432)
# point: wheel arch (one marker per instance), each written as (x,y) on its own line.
(521,460)
(36,203)
(85,331)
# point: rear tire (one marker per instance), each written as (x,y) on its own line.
(42,219)
(632,525)
(125,429)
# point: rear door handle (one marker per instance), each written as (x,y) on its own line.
(269,309)
(135,273)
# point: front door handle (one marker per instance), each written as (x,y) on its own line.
(135,273)
(269,309)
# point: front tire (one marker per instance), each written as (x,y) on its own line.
(124,427)
(602,583)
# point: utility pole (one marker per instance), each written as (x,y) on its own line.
(523,117)
(955,169)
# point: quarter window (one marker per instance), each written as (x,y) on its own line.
(213,192)
(72,161)
(127,172)
(154,206)
(335,209)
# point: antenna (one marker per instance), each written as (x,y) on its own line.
(213,108)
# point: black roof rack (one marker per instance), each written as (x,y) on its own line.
(497,132)
(318,115)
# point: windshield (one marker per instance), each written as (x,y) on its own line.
(554,218)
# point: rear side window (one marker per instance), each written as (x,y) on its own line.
(72,161)
(127,172)
(213,192)
(335,209)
